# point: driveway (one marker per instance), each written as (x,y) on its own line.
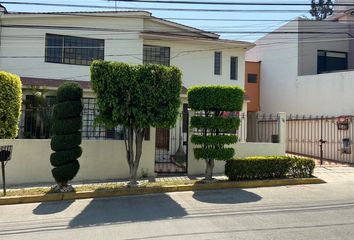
(324,211)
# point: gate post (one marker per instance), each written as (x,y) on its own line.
(282,130)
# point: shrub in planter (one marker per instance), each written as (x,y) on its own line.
(10,104)
(66,138)
(261,167)
(216,128)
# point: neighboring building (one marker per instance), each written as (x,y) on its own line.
(307,66)
(252,86)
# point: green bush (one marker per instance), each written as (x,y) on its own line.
(214,140)
(10,104)
(67,110)
(66,126)
(258,168)
(62,157)
(221,123)
(301,167)
(214,129)
(66,133)
(65,142)
(66,172)
(212,98)
(72,92)
(216,154)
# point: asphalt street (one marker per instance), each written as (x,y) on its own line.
(324,211)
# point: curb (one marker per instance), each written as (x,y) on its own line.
(155,189)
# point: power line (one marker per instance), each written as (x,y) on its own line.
(158,8)
(228,3)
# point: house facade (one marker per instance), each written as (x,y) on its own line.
(48,49)
(307,66)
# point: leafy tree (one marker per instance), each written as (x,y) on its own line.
(10,104)
(137,97)
(321,9)
(66,140)
(215,128)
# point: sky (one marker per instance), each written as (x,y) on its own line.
(211,24)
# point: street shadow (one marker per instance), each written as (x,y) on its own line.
(226,196)
(46,208)
(128,209)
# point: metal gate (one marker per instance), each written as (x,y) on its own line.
(325,138)
(171,148)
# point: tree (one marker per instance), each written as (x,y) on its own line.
(321,9)
(10,104)
(137,97)
(216,128)
(66,140)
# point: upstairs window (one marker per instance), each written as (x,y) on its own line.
(217,63)
(73,50)
(156,55)
(233,68)
(328,61)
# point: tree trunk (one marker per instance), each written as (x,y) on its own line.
(209,169)
(133,161)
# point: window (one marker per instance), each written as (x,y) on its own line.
(156,55)
(252,78)
(217,63)
(328,61)
(233,68)
(73,50)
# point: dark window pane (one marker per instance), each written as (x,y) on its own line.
(252,78)
(233,68)
(328,61)
(156,55)
(73,50)
(53,48)
(217,63)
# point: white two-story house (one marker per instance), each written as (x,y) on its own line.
(47,49)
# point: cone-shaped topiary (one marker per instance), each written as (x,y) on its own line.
(66,140)
(216,128)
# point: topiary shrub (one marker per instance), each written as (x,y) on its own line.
(215,128)
(261,167)
(10,104)
(66,140)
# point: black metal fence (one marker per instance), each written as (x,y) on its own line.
(35,123)
(322,137)
(171,147)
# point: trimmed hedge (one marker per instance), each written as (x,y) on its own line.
(62,142)
(72,92)
(258,168)
(214,98)
(66,126)
(216,154)
(220,123)
(60,158)
(10,104)
(214,140)
(70,109)
(67,137)
(66,172)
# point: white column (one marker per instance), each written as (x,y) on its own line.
(282,130)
